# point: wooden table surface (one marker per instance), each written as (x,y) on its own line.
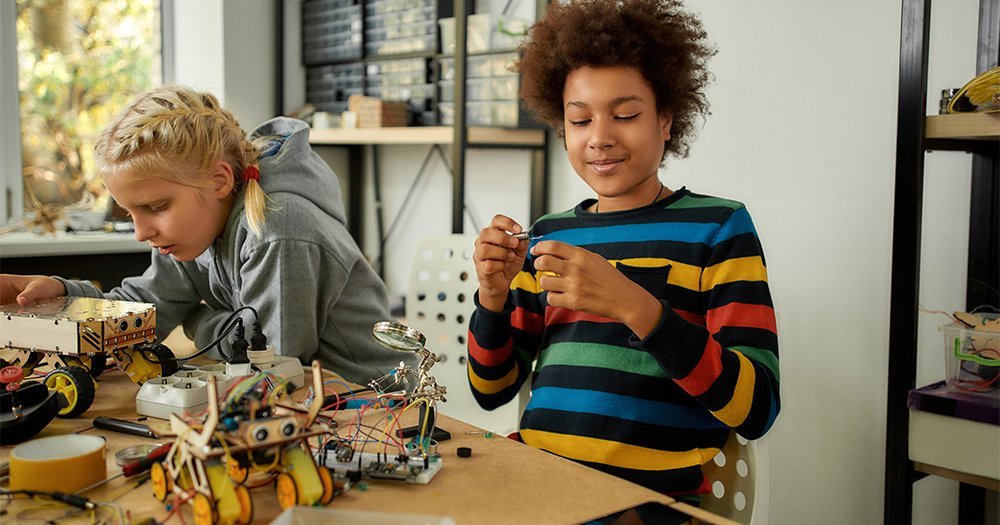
(502,482)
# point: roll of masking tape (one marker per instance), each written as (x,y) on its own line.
(58,463)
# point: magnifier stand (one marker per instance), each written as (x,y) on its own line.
(435,433)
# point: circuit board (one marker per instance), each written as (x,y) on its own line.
(380,466)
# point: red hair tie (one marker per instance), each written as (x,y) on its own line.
(251,173)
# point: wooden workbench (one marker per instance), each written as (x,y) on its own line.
(502,482)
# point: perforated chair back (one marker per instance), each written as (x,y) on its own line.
(739,478)
(439,303)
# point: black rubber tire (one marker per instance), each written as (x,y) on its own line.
(161,355)
(98,364)
(81,382)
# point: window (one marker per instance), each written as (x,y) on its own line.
(78,63)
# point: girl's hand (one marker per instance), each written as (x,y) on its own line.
(29,289)
(498,257)
(581,280)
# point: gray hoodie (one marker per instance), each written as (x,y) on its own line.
(316,294)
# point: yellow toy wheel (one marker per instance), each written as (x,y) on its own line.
(327,480)
(287,491)
(163,486)
(246,505)
(236,472)
(75,385)
(204,510)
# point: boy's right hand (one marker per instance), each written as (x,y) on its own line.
(498,257)
(26,290)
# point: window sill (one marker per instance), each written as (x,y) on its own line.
(26,244)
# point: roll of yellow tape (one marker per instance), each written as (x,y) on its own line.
(61,463)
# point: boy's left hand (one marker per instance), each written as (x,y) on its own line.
(581,280)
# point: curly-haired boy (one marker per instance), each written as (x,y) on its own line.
(645,312)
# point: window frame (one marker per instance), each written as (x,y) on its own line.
(11,170)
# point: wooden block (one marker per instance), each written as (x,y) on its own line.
(374,112)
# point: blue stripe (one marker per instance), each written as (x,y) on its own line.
(738,223)
(683,232)
(691,232)
(623,407)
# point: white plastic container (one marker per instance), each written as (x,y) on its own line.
(477,34)
(972,358)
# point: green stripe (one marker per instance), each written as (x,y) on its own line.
(764,357)
(689,201)
(568,214)
(601,356)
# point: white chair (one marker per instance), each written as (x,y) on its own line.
(439,303)
(739,477)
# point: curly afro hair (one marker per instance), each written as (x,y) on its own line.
(659,38)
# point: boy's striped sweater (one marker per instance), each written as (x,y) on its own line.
(653,410)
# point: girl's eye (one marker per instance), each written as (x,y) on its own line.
(157,207)
(627,117)
(583,122)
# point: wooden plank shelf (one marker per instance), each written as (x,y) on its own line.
(426,135)
(966,126)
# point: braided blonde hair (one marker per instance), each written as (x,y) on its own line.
(179,134)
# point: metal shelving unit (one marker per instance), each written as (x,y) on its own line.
(917,133)
(459,135)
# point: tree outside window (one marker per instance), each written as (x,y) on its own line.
(79,62)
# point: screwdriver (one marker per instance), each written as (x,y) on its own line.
(123,426)
(525,236)
(142,465)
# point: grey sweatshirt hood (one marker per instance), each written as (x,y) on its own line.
(296,168)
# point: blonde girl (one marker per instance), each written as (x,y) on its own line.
(234,220)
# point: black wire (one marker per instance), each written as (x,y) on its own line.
(506,8)
(465,205)
(409,193)
(232,325)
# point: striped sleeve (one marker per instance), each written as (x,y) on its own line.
(729,364)
(503,346)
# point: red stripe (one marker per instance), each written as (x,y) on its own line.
(741,314)
(704,488)
(691,317)
(488,357)
(559,315)
(705,372)
(526,320)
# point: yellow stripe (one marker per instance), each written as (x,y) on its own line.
(613,453)
(488,387)
(735,412)
(732,270)
(525,281)
(681,274)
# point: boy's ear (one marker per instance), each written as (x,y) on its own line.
(666,121)
(221,180)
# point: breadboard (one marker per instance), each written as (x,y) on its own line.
(375,466)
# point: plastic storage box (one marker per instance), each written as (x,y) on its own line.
(972,356)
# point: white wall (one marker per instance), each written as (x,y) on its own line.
(199,53)
(227,47)
(803,131)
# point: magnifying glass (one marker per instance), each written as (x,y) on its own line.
(398,337)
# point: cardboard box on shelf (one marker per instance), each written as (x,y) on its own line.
(377,113)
